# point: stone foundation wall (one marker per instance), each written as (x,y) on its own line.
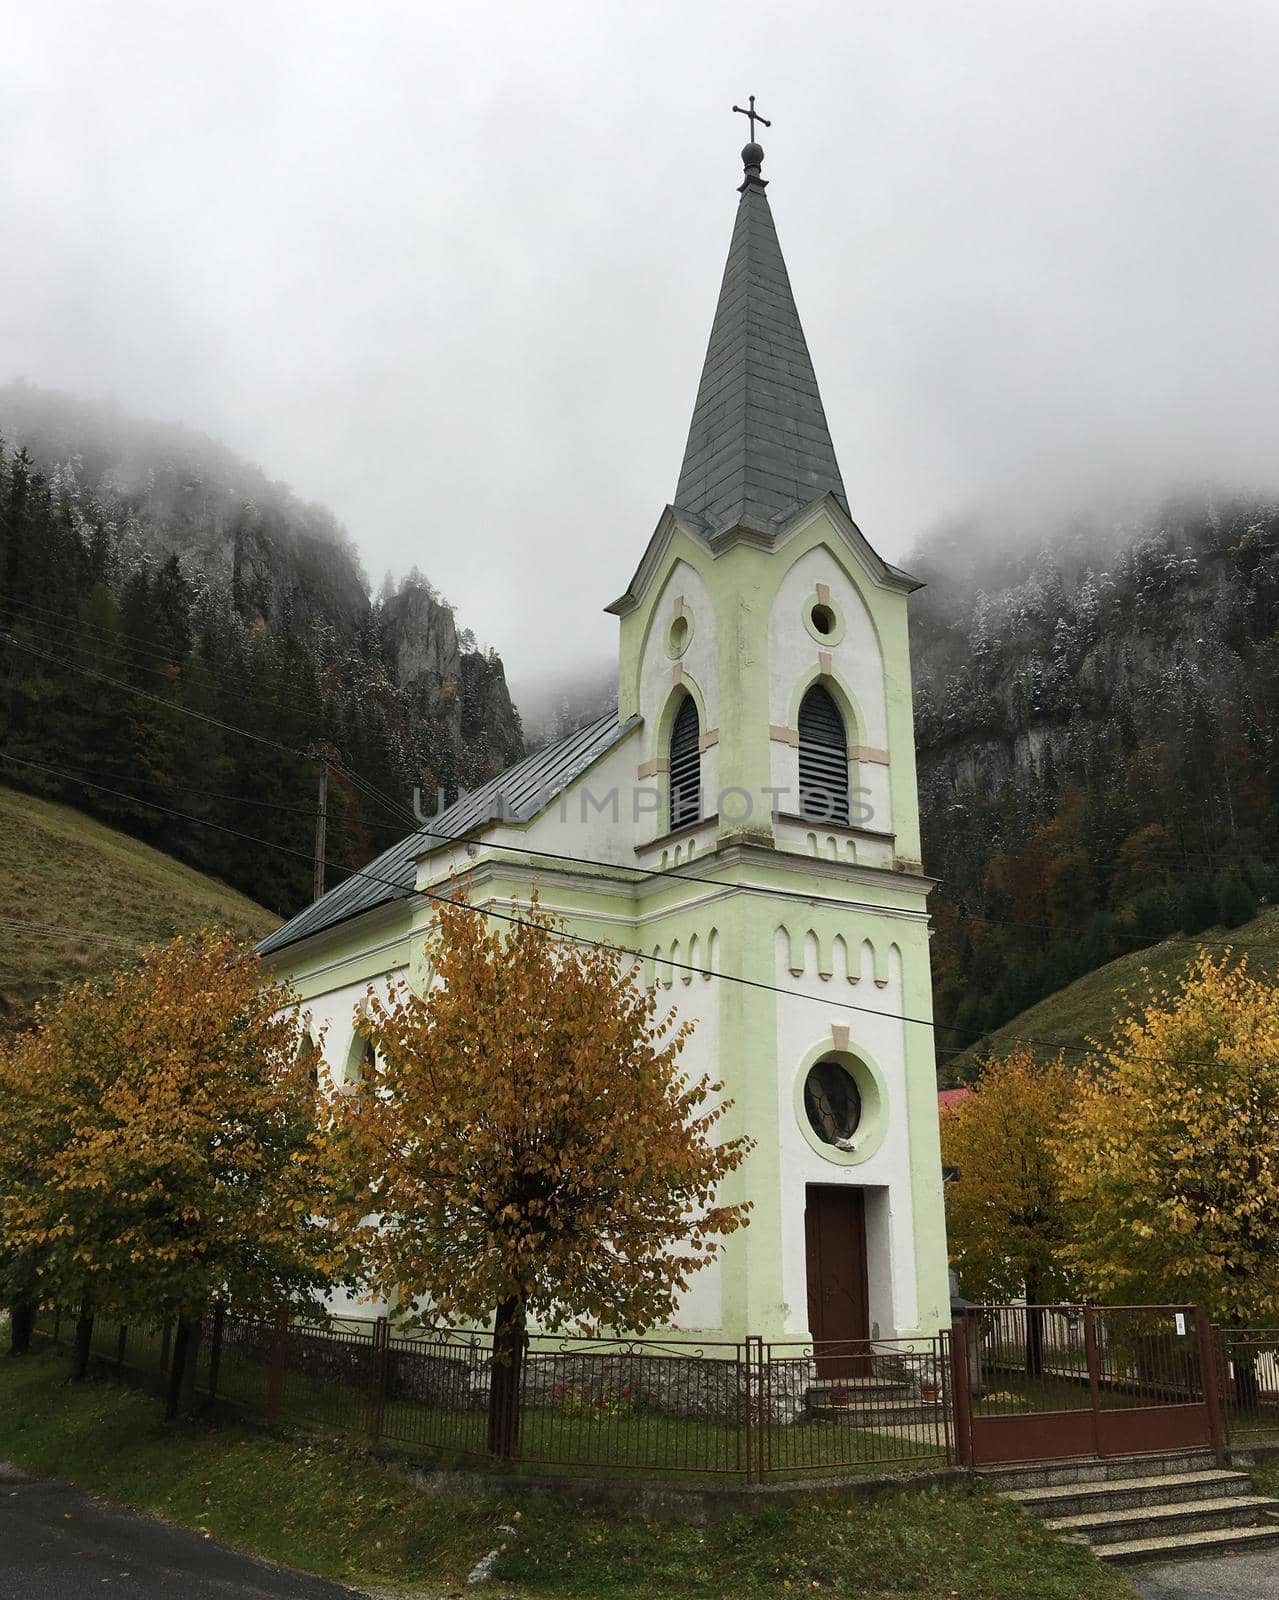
(702,1388)
(454,1376)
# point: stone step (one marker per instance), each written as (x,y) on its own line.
(1139,1523)
(1120,1494)
(877,1420)
(1034,1475)
(1186,1546)
(855,1386)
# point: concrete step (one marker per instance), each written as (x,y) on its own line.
(1034,1475)
(1122,1494)
(856,1388)
(893,1414)
(1140,1523)
(1186,1546)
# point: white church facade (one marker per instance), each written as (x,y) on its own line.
(748,822)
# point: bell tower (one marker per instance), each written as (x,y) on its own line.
(764,656)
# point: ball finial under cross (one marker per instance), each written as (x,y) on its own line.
(753,154)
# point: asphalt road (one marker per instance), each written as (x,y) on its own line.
(1251,1575)
(58,1543)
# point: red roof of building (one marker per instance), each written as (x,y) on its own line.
(947,1099)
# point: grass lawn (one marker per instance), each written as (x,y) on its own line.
(351,1518)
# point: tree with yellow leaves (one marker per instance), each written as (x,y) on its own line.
(1005,1215)
(158,1144)
(1171,1154)
(521,1144)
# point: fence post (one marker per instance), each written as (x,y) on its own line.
(120,1344)
(961,1390)
(744,1396)
(943,1375)
(275,1373)
(1093,1358)
(215,1349)
(763,1442)
(166,1337)
(381,1362)
(1210,1377)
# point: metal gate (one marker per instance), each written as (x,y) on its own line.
(1033,1383)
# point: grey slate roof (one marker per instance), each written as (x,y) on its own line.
(516,795)
(758,447)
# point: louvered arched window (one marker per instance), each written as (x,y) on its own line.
(686,765)
(823,758)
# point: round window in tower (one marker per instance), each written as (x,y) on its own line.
(832,1103)
(678,635)
(823,620)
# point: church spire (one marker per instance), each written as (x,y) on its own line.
(758,446)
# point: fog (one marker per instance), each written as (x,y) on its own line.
(451,269)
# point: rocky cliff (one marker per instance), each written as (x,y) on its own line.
(119,536)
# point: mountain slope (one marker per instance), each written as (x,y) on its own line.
(178,634)
(1098,739)
(1088,1009)
(62,870)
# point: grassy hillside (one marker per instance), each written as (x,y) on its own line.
(61,870)
(1090,1007)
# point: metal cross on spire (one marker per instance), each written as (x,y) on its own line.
(754,116)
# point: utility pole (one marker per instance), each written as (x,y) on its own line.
(321,753)
(320,821)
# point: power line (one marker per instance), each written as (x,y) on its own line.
(357,872)
(564,937)
(155,699)
(188,711)
(55,930)
(689,877)
(175,675)
(120,652)
(373,792)
(213,794)
(397,808)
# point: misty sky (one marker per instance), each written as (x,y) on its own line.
(451,269)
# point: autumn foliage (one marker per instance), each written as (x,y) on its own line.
(1170,1160)
(158,1141)
(523,1132)
(1005,1213)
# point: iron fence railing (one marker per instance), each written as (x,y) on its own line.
(844,1406)
(664,1406)
(1054,1358)
(674,1406)
(1248,1371)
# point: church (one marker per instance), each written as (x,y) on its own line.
(748,821)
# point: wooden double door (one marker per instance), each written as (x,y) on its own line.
(838,1292)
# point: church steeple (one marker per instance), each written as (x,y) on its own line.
(758,447)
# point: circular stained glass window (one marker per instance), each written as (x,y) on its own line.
(832,1102)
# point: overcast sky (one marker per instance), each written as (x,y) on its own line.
(450,269)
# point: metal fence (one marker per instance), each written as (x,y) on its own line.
(666,1407)
(1072,1380)
(1248,1371)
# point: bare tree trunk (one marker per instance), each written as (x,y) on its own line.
(22,1321)
(83,1341)
(509,1342)
(186,1347)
